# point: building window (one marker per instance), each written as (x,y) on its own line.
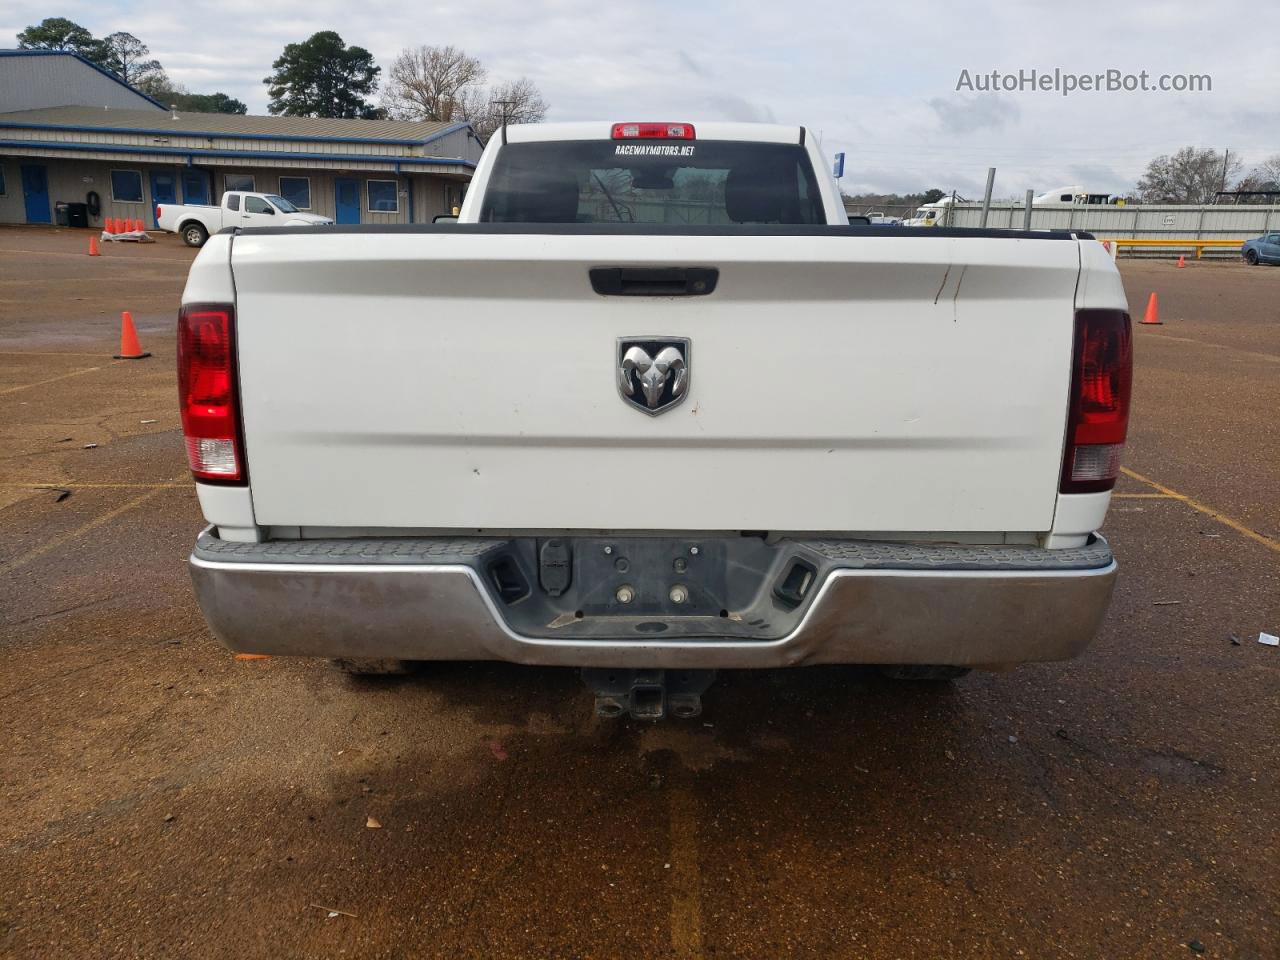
(297,190)
(2,190)
(126,186)
(238,181)
(384,196)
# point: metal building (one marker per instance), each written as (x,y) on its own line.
(123,158)
(31,79)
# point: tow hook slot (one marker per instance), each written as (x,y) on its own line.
(648,694)
(507,579)
(795,583)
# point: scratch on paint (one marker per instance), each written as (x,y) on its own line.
(943,285)
(956,295)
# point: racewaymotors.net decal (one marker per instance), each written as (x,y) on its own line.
(653,150)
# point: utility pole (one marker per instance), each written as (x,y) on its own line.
(1226,154)
(986,197)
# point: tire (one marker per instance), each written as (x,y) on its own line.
(369,667)
(194,234)
(922,671)
(1251,257)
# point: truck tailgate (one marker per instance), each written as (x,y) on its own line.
(464,379)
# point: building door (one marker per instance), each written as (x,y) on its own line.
(195,186)
(164,189)
(347,200)
(35,194)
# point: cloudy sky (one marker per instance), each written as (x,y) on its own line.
(876,80)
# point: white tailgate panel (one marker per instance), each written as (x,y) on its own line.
(837,383)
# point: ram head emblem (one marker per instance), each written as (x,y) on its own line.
(653,372)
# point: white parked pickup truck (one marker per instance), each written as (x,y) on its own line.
(652,407)
(197,222)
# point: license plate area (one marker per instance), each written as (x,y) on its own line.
(648,588)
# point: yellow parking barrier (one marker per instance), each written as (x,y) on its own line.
(1198,246)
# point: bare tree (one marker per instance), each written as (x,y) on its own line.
(1191,175)
(444,83)
(517,102)
(1268,171)
(429,83)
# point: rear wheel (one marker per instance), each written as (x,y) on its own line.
(194,234)
(923,671)
(1251,257)
(369,667)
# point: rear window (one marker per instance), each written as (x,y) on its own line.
(649,181)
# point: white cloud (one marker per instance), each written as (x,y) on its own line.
(875,80)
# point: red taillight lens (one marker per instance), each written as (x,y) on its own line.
(207,392)
(653,131)
(157,213)
(1098,418)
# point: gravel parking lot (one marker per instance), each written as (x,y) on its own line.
(164,799)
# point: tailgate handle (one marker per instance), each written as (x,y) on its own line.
(654,281)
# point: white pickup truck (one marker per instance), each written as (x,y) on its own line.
(197,222)
(652,408)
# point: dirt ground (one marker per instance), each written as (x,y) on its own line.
(163,799)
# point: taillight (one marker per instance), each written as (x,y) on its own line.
(207,392)
(653,131)
(157,213)
(1098,416)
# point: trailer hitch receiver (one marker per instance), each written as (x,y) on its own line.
(648,694)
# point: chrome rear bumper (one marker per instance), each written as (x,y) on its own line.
(966,606)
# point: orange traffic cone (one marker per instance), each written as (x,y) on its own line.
(137,226)
(93,247)
(130,348)
(111,226)
(1153,311)
(1182,261)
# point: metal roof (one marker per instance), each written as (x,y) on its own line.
(230,125)
(88,63)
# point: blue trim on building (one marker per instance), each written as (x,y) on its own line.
(162,132)
(88,63)
(260,154)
